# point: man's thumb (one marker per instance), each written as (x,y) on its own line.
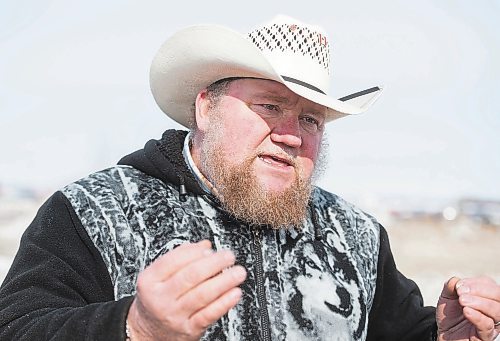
(449,289)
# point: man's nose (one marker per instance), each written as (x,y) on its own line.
(287,131)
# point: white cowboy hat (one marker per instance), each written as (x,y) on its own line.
(284,50)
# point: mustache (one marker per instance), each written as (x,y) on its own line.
(279,155)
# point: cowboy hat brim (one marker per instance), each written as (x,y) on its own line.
(198,56)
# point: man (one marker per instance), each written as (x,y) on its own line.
(219,234)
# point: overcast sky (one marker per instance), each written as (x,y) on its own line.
(74,92)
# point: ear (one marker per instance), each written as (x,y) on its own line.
(202,104)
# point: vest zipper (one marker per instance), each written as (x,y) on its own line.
(259,276)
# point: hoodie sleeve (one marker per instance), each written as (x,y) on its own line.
(58,287)
(398,312)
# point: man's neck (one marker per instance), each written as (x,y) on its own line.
(204,183)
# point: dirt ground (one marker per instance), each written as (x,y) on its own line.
(431,252)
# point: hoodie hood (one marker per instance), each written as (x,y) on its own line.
(163,159)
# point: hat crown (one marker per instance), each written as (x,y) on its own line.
(285,50)
(295,49)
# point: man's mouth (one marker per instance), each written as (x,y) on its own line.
(276,160)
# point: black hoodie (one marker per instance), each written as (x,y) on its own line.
(73,277)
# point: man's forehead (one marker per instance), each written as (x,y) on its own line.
(262,87)
(272,90)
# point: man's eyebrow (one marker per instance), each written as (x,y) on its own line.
(276,98)
(270,96)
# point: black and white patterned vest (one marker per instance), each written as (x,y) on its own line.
(308,288)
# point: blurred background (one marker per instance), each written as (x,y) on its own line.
(74,98)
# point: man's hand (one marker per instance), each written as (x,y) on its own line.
(468,309)
(183,292)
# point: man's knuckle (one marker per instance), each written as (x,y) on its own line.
(186,330)
(202,321)
(189,278)
(142,282)
(199,297)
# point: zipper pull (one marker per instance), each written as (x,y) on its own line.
(257,236)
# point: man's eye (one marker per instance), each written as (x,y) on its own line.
(270,107)
(311,122)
